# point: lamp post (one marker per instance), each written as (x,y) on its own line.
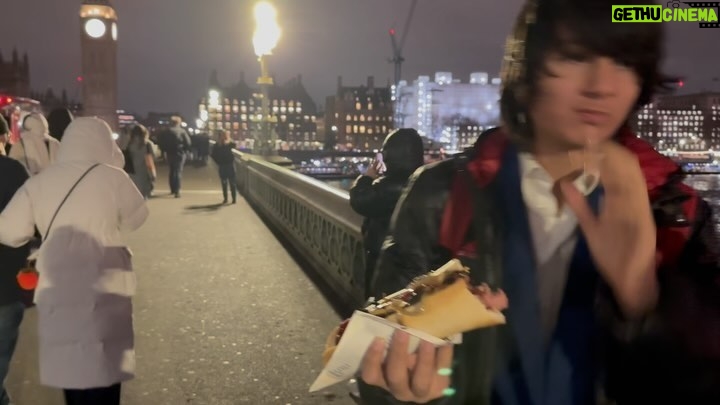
(265,38)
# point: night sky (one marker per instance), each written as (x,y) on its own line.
(167,48)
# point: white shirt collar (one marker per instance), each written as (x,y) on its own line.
(530,169)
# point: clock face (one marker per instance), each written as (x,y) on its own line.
(114,31)
(95,28)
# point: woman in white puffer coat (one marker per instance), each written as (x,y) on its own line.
(86,280)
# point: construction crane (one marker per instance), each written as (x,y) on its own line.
(397,58)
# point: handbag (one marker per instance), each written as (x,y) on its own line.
(28,276)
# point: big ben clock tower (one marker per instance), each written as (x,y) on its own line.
(99,60)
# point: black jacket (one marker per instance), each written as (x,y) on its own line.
(412,249)
(175,141)
(375,200)
(222,154)
(11,259)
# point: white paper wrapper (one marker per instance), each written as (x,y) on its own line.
(362,329)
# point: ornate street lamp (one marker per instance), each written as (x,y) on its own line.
(266,36)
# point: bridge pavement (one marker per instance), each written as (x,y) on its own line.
(223,314)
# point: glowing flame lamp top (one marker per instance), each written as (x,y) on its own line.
(267,31)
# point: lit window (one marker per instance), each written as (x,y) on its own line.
(362,129)
(358,106)
(355,129)
(243,117)
(348,129)
(370,106)
(362,118)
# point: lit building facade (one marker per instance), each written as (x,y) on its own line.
(358,118)
(446,110)
(681,123)
(238,109)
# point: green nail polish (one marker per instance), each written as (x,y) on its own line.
(445,372)
(448,392)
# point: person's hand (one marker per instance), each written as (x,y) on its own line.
(622,237)
(419,377)
(374,169)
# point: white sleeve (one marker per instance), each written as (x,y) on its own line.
(131,204)
(17,222)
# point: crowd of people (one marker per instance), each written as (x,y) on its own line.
(609,261)
(84,297)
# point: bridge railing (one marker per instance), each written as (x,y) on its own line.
(315,218)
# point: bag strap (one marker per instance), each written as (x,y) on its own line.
(488,266)
(66,197)
(485,227)
(27,163)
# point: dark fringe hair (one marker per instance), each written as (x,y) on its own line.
(544,26)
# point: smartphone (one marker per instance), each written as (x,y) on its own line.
(379,160)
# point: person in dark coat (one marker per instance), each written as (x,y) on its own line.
(12,260)
(222,155)
(58,121)
(176,145)
(375,194)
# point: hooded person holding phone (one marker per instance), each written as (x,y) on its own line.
(375,194)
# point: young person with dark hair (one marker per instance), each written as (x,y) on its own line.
(609,261)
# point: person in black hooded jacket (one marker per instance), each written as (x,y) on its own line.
(58,121)
(12,260)
(375,194)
